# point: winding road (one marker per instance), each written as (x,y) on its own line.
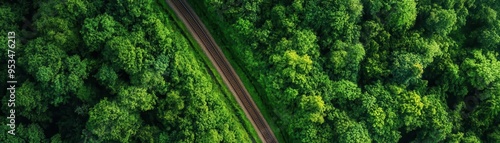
(231,79)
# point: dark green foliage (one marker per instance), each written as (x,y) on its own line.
(330,71)
(370,70)
(111,71)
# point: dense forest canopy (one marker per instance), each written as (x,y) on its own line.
(369,70)
(110,71)
(330,70)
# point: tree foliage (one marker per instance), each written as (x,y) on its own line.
(112,71)
(369,70)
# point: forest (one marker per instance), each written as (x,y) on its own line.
(368,70)
(110,71)
(347,71)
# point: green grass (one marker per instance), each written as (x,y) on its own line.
(250,83)
(230,99)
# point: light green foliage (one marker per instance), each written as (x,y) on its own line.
(482,69)
(314,108)
(346,91)
(136,98)
(122,53)
(383,118)
(110,121)
(294,67)
(410,109)
(304,42)
(437,122)
(150,80)
(111,71)
(350,131)
(401,69)
(471,138)
(402,14)
(330,71)
(345,60)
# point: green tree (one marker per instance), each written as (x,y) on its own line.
(383,121)
(482,69)
(31,133)
(124,55)
(402,14)
(349,130)
(407,66)
(136,98)
(96,31)
(30,101)
(314,108)
(344,61)
(437,125)
(441,21)
(111,122)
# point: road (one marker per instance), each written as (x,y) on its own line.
(229,76)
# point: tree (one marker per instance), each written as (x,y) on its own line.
(77,10)
(149,80)
(402,14)
(44,61)
(31,102)
(129,11)
(375,39)
(30,133)
(441,21)
(338,20)
(344,61)
(485,116)
(294,67)
(383,121)
(111,122)
(8,17)
(56,29)
(96,31)
(470,137)
(410,109)
(407,67)
(161,63)
(305,43)
(77,71)
(136,98)
(437,125)
(482,69)
(349,130)
(495,136)
(124,55)
(56,139)
(314,108)
(107,77)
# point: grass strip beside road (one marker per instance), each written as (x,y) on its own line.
(249,82)
(230,99)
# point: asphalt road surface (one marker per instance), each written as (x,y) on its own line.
(231,79)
